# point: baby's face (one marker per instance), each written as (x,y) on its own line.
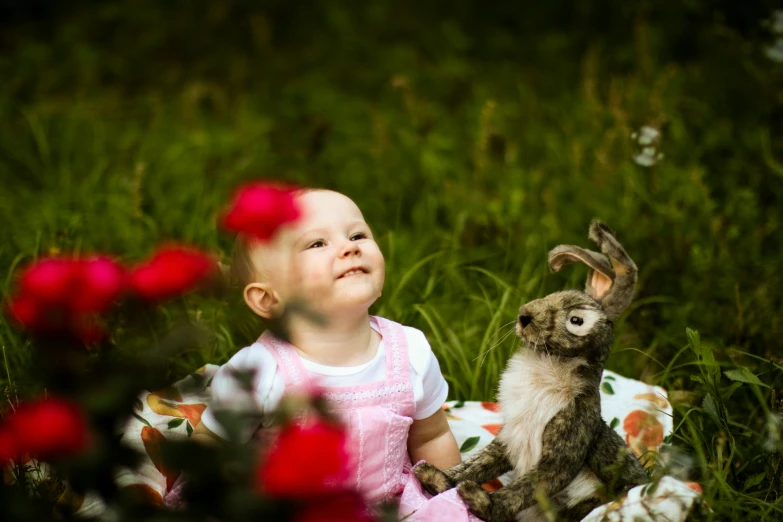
(328,259)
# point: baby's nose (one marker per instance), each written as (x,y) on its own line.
(351,249)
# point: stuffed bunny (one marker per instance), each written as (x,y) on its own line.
(553,436)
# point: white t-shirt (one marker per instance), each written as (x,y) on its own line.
(267,387)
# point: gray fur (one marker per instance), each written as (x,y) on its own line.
(485,465)
(574,440)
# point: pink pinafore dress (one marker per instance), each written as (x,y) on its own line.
(378,416)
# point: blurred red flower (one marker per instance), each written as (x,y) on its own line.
(64,294)
(343,507)
(100,282)
(50,281)
(7,446)
(259,209)
(47,429)
(305,461)
(26,311)
(171,271)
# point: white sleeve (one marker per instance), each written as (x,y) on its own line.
(229,394)
(429,387)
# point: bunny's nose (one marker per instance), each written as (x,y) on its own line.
(524,320)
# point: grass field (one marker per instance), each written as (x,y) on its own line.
(475,139)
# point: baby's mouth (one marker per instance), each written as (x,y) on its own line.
(352,272)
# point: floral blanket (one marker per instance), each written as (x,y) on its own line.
(640,413)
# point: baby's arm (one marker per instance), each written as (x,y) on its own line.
(431,439)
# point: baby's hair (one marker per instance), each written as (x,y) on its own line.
(242,271)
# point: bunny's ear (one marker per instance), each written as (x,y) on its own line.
(611,285)
(601,276)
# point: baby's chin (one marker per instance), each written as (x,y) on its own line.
(348,302)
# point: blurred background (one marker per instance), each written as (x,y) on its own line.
(474,135)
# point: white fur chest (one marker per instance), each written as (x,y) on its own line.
(533,389)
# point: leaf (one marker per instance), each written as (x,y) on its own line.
(607,388)
(694,340)
(189,429)
(609,378)
(730,390)
(742,374)
(711,408)
(755,480)
(469,444)
(459,404)
(697,378)
(138,404)
(615,422)
(142,419)
(173,423)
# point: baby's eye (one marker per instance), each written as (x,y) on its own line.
(358,235)
(317,244)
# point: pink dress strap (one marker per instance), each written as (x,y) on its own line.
(395,346)
(288,361)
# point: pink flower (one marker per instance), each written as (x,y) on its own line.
(259,209)
(344,507)
(48,428)
(171,271)
(306,461)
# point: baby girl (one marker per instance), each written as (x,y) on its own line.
(325,271)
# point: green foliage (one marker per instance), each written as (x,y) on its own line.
(474,138)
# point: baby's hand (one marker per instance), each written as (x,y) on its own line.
(432,479)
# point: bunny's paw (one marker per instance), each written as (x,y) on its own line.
(478,500)
(432,479)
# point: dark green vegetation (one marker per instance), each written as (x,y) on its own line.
(474,138)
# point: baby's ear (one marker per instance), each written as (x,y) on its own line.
(262,299)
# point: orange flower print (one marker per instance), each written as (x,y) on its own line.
(492,485)
(494,429)
(153,441)
(653,397)
(145,493)
(170,394)
(161,406)
(643,431)
(491,406)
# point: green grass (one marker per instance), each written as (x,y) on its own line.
(474,139)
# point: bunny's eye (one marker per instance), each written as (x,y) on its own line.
(581,322)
